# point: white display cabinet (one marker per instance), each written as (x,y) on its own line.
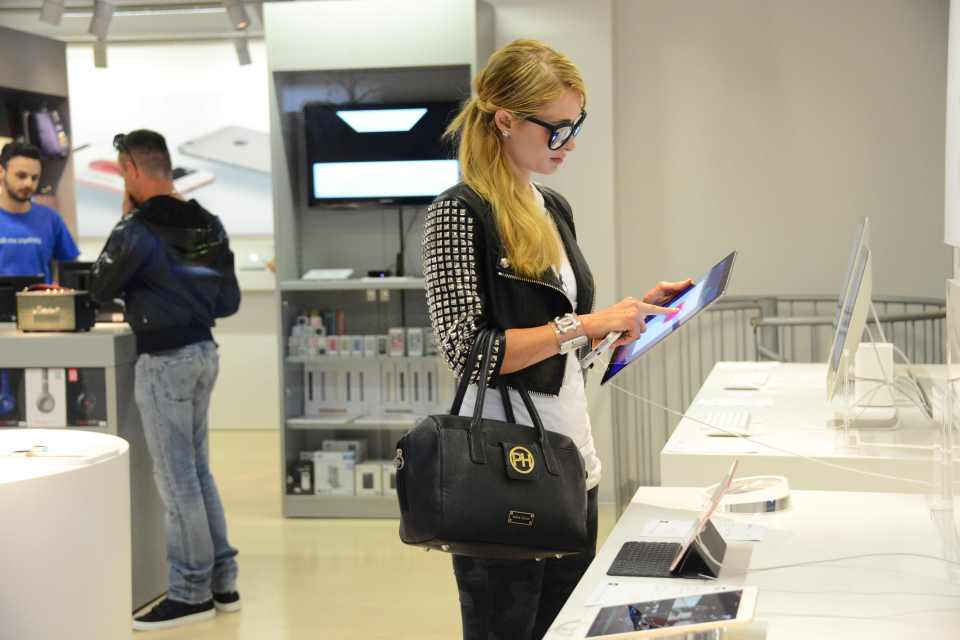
(369,52)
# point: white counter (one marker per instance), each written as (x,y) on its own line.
(65,545)
(791,413)
(878,595)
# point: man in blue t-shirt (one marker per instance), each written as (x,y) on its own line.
(31,235)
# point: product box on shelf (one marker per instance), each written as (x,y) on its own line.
(370,346)
(333,345)
(369,478)
(389,470)
(12,398)
(334,473)
(347,385)
(345,346)
(300,477)
(429,342)
(423,393)
(46,397)
(398,339)
(415,342)
(87,397)
(358,447)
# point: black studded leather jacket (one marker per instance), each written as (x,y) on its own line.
(472,286)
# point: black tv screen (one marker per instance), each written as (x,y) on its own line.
(379,153)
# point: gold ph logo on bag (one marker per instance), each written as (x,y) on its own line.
(521,459)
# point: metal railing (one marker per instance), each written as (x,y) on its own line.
(744,328)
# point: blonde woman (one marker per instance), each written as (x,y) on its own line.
(501,252)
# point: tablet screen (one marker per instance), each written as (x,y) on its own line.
(694,300)
(672,612)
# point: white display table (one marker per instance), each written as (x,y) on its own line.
(879,595)
(65,556)
(791,412)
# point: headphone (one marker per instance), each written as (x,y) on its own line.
(8,403)
(46,403)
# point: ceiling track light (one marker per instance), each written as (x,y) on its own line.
(243,51)
(237,14)
(51,12)
(100,54)
(102,15)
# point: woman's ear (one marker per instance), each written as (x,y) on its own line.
(504,121)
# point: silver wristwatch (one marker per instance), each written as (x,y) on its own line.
(568,330)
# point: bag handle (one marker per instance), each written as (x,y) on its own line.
(468,368)
(549,457)
(486,342)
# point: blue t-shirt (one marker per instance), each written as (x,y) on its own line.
(29,241)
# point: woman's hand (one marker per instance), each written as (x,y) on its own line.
(666,291)
(627,316)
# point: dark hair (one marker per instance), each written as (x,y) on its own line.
(13,150)
(147,149)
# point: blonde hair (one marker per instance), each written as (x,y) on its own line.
(521,78)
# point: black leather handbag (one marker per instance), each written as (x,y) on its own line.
(487,488)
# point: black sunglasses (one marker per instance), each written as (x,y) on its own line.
(120,144)
(560,133)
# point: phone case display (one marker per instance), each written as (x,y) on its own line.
(12,398)
(341,385)
(46,397)
(86,397)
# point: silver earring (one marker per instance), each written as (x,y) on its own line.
(506,134)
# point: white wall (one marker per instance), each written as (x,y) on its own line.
(587,179)
(771,127)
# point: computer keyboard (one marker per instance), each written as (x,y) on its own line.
(645,559)
(748,380)
(729,423)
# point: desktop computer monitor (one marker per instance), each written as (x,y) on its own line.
(9,286)
(860,243)
(74,274)
(851,320)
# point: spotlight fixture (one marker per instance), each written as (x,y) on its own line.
(237,14)
(51,12)
(100,54)
(243,51)
(102,15)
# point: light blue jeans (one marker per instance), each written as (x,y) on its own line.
(173,394)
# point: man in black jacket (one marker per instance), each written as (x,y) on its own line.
(171,262)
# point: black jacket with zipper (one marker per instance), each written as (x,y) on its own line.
(170,261)
(471,284)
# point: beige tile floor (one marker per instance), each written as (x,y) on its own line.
(329,579)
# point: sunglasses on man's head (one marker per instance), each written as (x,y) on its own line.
(120,144)
(560,133)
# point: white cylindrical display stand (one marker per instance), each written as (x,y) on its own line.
(65,554)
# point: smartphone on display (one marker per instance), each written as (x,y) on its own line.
(672,617)
(235,146)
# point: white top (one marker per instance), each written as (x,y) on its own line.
(564,413)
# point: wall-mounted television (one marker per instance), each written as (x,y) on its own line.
(378,154)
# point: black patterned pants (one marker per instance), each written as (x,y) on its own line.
(519,599)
